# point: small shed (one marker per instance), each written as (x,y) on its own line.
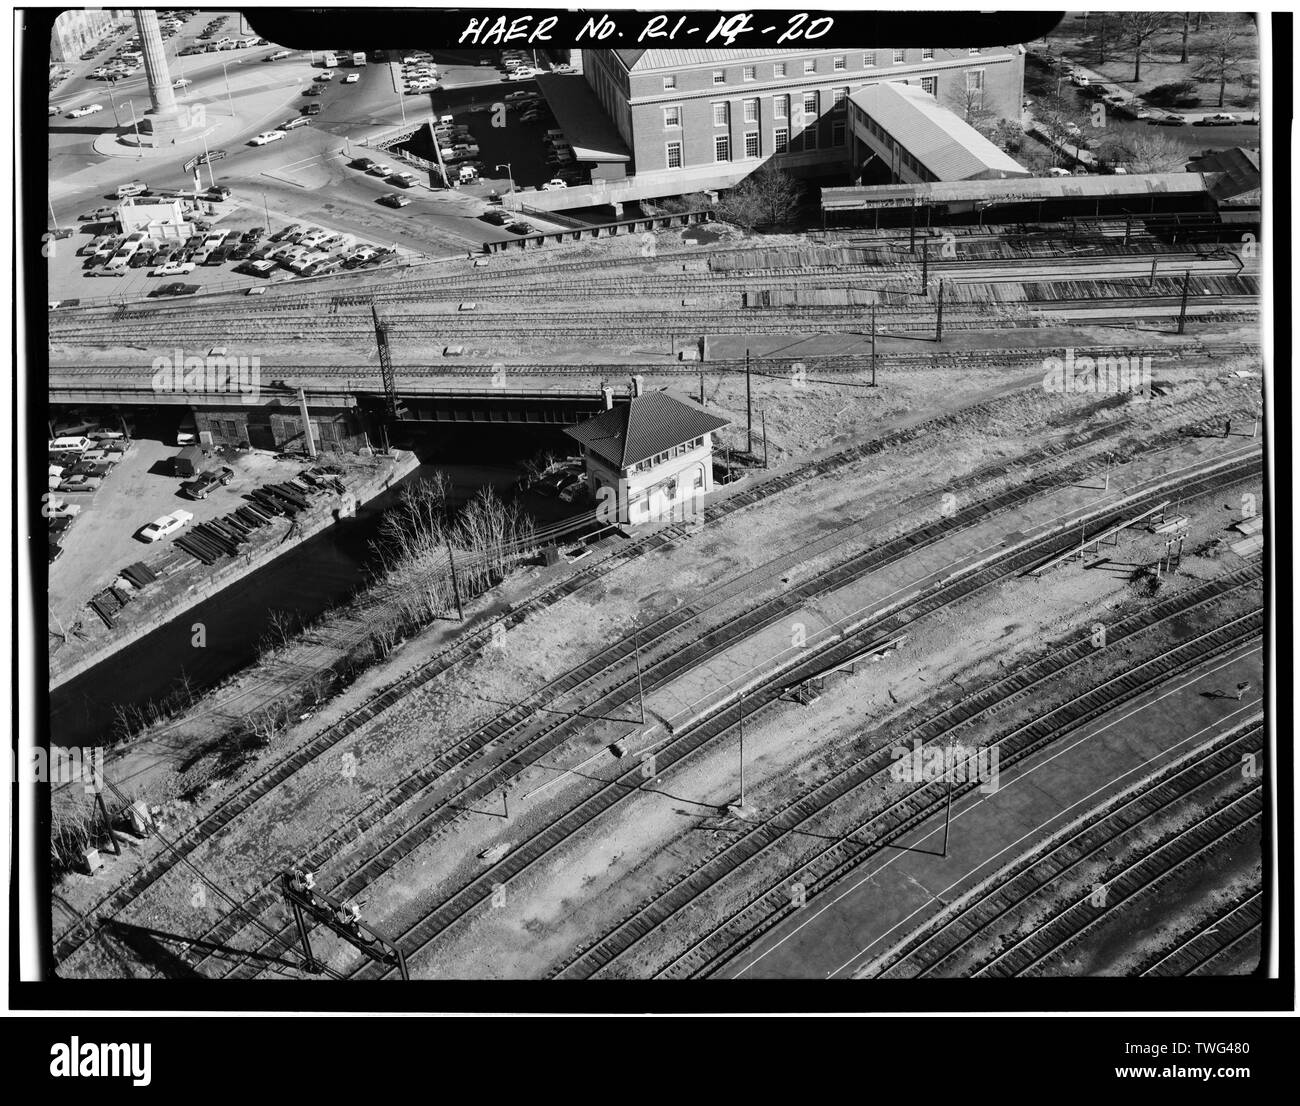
(188,462)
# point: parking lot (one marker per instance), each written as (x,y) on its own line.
(103,538)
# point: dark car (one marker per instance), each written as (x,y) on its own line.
(252,235)
(394,199)
(311,109)
(519,227)
(239,251)
(226,475)
(193,242)
(496,218)
(159,257)
(218,256)
(314,90)
(175,289)
(365,164)
(1168,121)
(140,259)
(201,485)
(217,192)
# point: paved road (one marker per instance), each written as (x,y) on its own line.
(901,890)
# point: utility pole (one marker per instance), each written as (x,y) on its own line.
(701,387)
(742,750)
(938,317)
(763,415)
(306,424)
(749,410)
(925,269)
(1182,311)
(640,692)
(873,345)
(1151,283)
(455,584)
(911,232)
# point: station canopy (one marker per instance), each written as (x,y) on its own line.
(1023,190)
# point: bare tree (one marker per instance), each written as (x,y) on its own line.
(1187,24)
(1221,58)
(765,197)
(1144,151)
(1138,30)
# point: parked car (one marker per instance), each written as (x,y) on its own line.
(174,268)
(394,199)
(519,227)
(553,184)
(261,268)
(252,235)
(496,218)
(295,123)
(378,169)
(1170,120)
(165,526)
(310,109)
(365,164)
(352,78)
(202,485)
(131,188)
(284,232)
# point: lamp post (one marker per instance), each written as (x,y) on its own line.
(509,173)
(225,75)
(135,124)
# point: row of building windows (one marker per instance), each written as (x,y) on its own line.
(750,108)
(782,143)
(839,64)
(677,450)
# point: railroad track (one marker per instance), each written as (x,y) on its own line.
(935,950)
(664,649)
(802,816)
(1214,939)
(1224,824)
(847,364)
(235,805)
(605,795)
(744,926)
(655,324)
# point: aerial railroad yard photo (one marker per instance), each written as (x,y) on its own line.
(637,507)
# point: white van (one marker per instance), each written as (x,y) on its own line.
(80,444)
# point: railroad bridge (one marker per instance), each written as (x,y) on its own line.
(268,414)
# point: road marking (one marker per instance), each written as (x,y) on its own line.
(1024,775)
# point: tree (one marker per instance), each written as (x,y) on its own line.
(1101,40)
(1187,24)
(1221,61)
(765,197)
(1143,151)
(1137,30)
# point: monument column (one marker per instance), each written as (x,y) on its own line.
(163,121)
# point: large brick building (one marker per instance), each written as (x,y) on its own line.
(696,119)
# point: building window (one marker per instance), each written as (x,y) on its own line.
(780,140)
(810,138)
(751,111)
(721,115)
(673,116)
(810,65)
(778,69)
(930,85)
(927,53)
(751,143)
(719,76)
(900,56)
(721,147)
(838,97)
(841,63)
(973,51)
(780,107)
(809,104)
(670,83)
(869,59)
(750,72)
(837,132)
(674,155)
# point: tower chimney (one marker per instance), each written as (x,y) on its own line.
(638,386)
(608,393)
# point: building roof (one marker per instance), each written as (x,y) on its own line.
(586,126)
(643,60)
(1233,175)
(1026,189)
(649,424)
(945,144)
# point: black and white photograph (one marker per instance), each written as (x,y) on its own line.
(745,510)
